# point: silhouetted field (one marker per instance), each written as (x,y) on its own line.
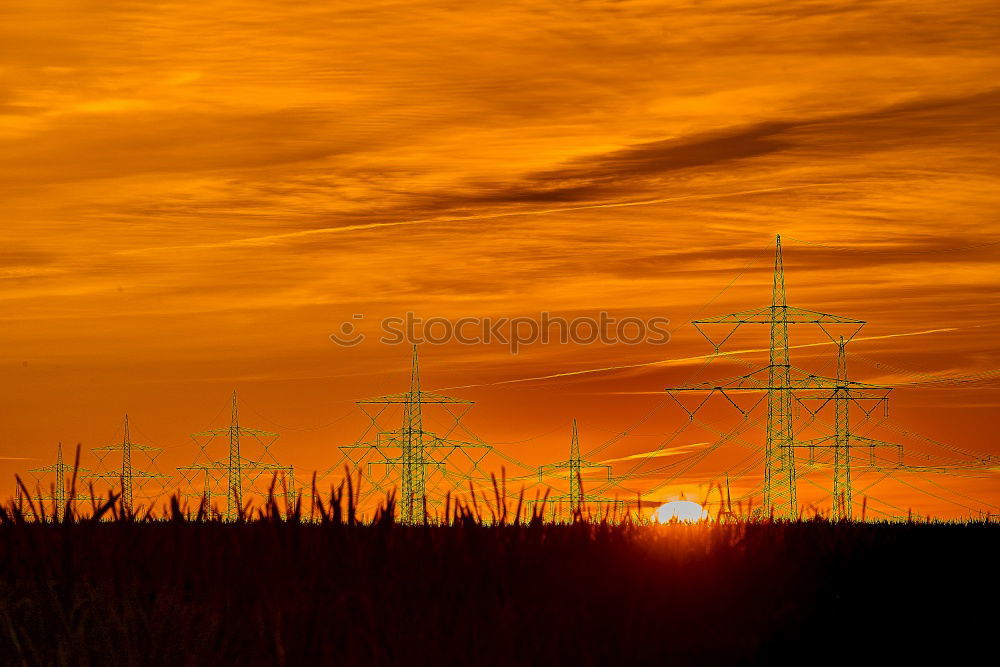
(286,591)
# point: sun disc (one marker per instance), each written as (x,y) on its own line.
(680,510)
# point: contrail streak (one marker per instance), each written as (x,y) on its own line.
(681,360)
(273,239)
(656,453)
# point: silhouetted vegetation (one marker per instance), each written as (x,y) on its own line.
(295,586)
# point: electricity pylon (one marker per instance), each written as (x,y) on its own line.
(414,488)
(127,474)
(779,476)
(127,469)
(842,493)
(206,495)
(414,451)
(234,496)
(574,467)
(576,501)
(842,441)
(58,469)
(780,385)
(411,443)
(238,469)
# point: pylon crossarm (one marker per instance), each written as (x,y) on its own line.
(242,431)
(211,465)
(750,316)
(116,474)
(767,314)
(870,442)
(68,469)
(433,441)
(853,441)
(773,314)
(398,461)
(393,440)
(261,465)
(425,397)
(76,498)
(736,384)
(799,380)
(826,395)
(256,432)
(805,380)
(132,445)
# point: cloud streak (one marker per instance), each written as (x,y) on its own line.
(685,360)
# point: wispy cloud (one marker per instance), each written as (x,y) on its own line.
(658,453)
(686,360)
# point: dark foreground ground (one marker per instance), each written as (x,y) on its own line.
(274,593)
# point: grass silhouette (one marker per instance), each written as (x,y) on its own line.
(289,586)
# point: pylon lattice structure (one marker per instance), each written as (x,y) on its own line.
(781,383)
(844,394)
(423,465)
(576,500)
(238,475)
(57,488)
(127,477)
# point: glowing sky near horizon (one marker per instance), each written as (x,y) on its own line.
(195,195)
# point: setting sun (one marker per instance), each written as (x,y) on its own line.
(680,510)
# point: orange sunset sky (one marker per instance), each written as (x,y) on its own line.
(197,194)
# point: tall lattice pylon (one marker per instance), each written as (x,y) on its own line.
(779,457)
(237,475)
(127,475)
(842,492)
(576,500)
(574,468)
(844,394)
(207,495)
(414,490)
(415,444)
(60,490)
(58,471)
(127,496)
(425,461)
(234,494)
(780,385)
